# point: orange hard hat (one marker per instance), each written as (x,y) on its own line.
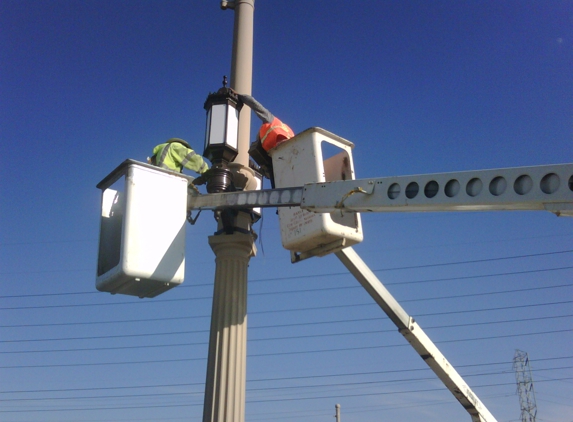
(273,133)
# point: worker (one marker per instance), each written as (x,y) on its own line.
(176,154)
(272,133)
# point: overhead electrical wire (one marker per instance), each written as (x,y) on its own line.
(301,377)
(206,316)
(95,240)
(408,267)
(290,353)
(401,283)
(252,401)
(273,326)
(250,340)
(315,290)
(289,387)
(366,332)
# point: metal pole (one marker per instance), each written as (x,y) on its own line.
(242,69)
(337,416)
(227,360)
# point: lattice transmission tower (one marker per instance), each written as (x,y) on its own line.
(524,386)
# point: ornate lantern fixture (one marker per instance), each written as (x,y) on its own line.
(221,137)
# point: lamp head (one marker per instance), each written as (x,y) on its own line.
(222,129)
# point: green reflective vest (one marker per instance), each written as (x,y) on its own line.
(175,156)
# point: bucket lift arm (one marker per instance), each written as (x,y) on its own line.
(415,336)
(548,187)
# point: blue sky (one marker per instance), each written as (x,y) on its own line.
(419,87)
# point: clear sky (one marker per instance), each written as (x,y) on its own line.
(418,86)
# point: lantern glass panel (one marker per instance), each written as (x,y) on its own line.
(207,131)
(217,124)
(232,127)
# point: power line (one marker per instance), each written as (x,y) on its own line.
(250,340)
(304,291)
(457,278)
(266,400)
(409,267)
(140,320)
(95,240)
(289,387)
(426,328)
(495,309)
(468,295)
(314,308)
(292,378)
(471,277)
(295,352)
(271,326)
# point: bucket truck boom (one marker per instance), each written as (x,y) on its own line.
(548,187)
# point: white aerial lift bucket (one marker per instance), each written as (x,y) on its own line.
(142,230)
(301,160)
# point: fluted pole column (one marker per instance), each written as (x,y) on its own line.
(227,361)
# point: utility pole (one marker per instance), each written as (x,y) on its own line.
(242,67)
(337,415)
(524,386)
(226,364)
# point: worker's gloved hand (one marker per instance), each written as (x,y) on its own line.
(198,181)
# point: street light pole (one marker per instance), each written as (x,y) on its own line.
(242,68)
(227,360)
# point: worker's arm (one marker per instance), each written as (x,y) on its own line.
(189,158)
(265,115)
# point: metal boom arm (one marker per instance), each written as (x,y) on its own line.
(547,188)
(415,336)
